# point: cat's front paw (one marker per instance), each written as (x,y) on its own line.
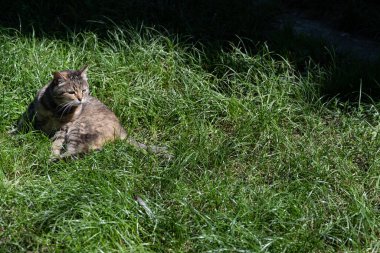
(64,157)
(68,156)
(54,158)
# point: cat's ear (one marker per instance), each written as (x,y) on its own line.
(83,72)
(59,77)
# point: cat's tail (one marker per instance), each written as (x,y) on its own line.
(158,150)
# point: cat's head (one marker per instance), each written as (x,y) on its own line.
(70,87)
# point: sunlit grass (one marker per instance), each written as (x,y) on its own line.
(261,163)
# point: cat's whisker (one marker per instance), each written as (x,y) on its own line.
(61,105)
(66,107)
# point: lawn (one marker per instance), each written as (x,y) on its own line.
(262,163)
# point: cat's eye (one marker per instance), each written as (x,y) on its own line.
(84,90)
(71,92)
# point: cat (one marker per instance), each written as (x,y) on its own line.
(75,121)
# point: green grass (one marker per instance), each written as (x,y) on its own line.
(261,163)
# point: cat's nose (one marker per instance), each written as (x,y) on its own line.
(79,98)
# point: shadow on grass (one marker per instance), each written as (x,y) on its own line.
(214,23)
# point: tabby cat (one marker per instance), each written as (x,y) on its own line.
(76,122)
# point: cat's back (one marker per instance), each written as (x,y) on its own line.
(96,117)
(94,105)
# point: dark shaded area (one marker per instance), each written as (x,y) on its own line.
(215,23)
(205,20)
(357,17)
